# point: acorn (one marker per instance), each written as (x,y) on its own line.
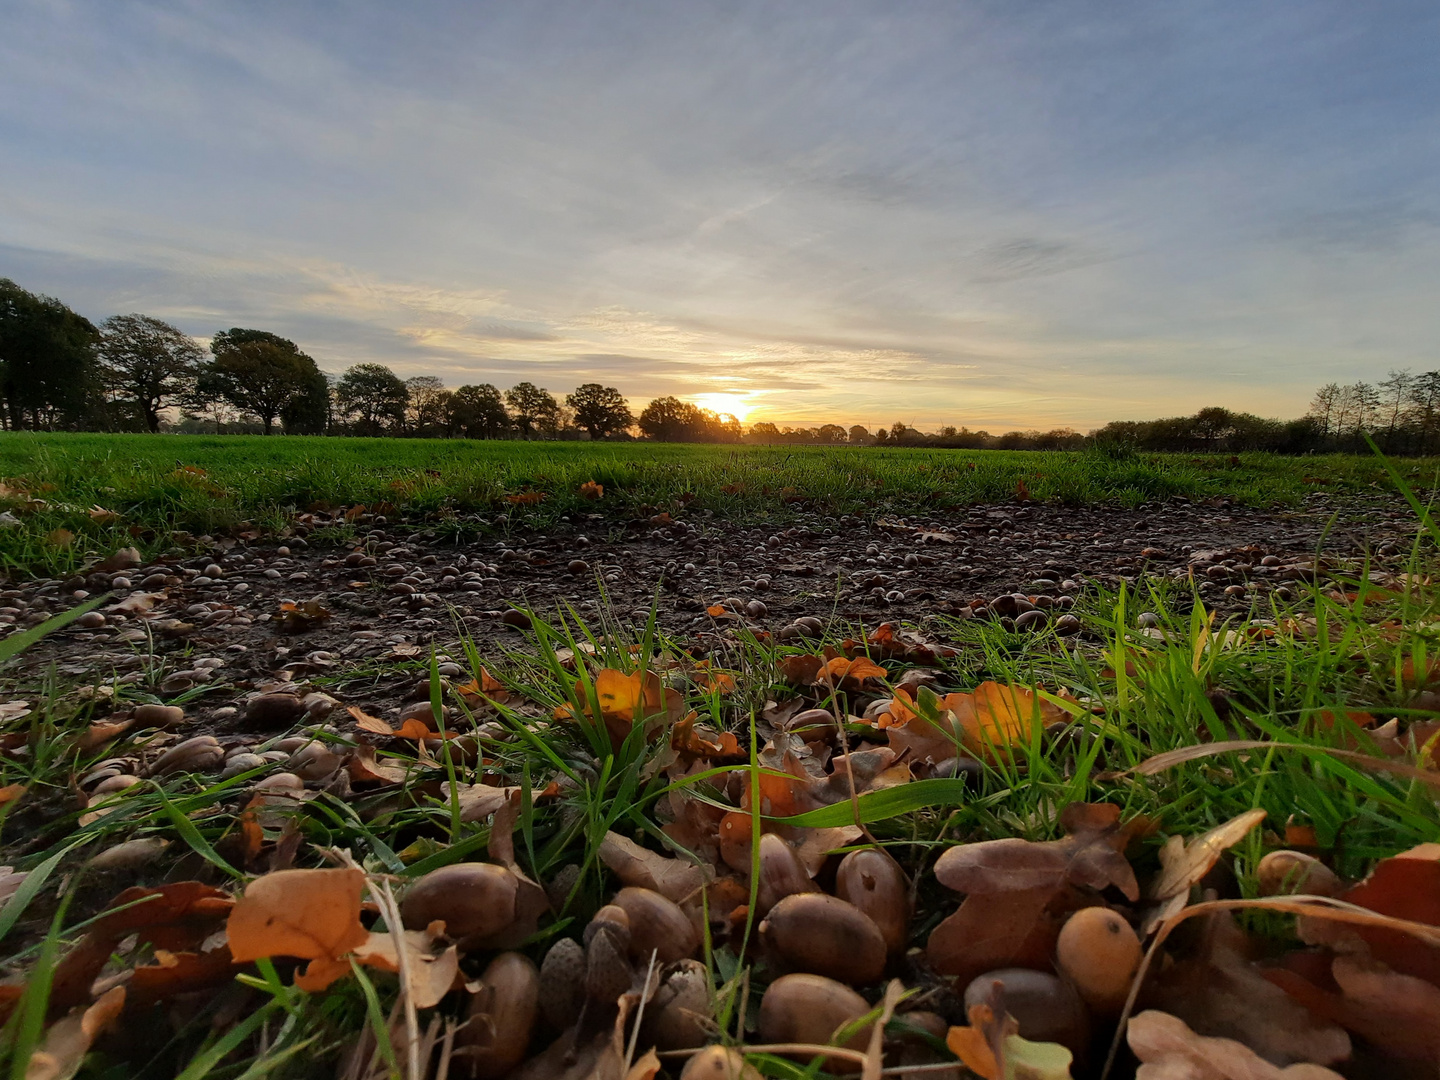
(1047,1008)
(474,900)
(782,873)
(500,1017)
(805,1008)
(824,935)
(873,881)
(1293,872)
(613,922)
(657,925)
(200,754)
(1099,953)
(718,1063)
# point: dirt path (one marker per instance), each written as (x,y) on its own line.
(178,627)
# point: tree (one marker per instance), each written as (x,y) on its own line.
(262,373)
(764,432)
(147,363)
(858,434)
(429,401)
(600,410)
(479,412)
(1322,408)
(532,407)
(1212,424)
(48,374)
(372,396)
(668,419)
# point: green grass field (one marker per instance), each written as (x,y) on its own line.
(144,487)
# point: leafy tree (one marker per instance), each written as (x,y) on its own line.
(261,373)
(830,433)
(48,374)
(148,363)
(372,397)
(668,419)
(600,410)
(309,411)
(764,432)
(531,407)
(479,412)
(859,434)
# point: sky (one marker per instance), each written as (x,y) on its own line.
(1009,214)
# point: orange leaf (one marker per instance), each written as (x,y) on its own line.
(10,792)
(309,914)
(591,490)
(366,722)
(525,498)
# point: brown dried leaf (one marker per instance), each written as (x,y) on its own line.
(1169,1049)
(1183,864)
(68,1040)
(673,878)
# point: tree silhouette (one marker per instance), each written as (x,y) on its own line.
(531,407)
(479,411)
(373,397)
(260,373)
(48,373)
(147,363)
(600,410)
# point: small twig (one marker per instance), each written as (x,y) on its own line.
(391,910)
(640,1011)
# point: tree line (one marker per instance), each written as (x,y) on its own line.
(58,371)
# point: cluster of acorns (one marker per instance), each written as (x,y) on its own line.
(820,947)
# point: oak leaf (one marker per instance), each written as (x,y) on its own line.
(308,914)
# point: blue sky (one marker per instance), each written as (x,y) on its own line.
(1007,214)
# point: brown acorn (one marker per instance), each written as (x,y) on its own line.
(782,873)
(873,881)
(805,1008)
(500,1017)
(824,935)
(657,925)
(474,900)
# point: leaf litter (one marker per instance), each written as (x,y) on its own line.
(578,824)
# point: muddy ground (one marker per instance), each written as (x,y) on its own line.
(209,630)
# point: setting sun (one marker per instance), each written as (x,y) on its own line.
(734,404)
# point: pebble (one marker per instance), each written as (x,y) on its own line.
(516,618)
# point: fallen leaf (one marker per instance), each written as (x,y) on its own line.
(1183,864)
(591,490)
(646,1068)
(11,792)
(308,914)
(69,1038)
(1169,1049)
(1406,886)
(61,538)
(365,768)
(432,973)
(479,801)
(1016,890)
(297,618)
(1217,991)
(635,865)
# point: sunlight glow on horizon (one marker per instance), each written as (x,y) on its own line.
(737,405)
